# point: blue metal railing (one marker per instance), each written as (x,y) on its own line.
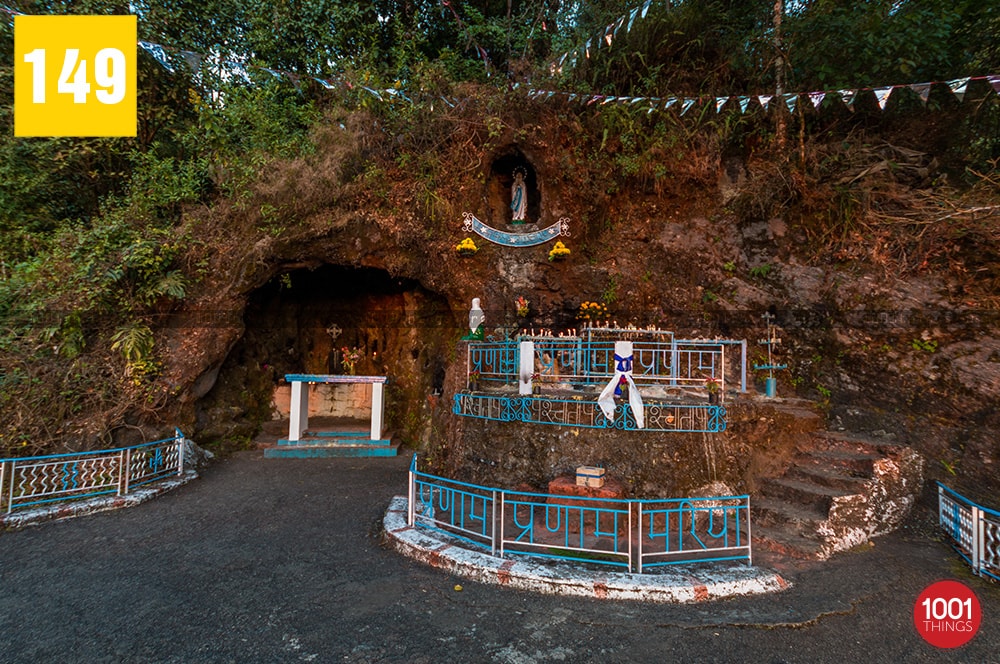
(659,417)
(629,534)
(41,480)
(975,530)
(583,362)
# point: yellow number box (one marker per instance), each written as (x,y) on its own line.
(74,75)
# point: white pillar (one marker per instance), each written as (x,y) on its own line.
(527,367)
(378,410)
(298,416)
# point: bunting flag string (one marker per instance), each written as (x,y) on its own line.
(606,36)
(848,97)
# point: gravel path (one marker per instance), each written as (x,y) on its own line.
(280,561)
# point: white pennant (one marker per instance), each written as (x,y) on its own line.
(645,7)
(995,82)
(688,103)
(670,102)
(719,103)
(764,100)
(848,96)
(791,99)
(817,98)
(744,103)
(922,89)
(958,87)
(882,95)
(631,19)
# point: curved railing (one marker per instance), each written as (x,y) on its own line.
(659,416)
(975,530)
(631,534)
(42,480)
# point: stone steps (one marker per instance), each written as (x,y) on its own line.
(323,444)
(837,492)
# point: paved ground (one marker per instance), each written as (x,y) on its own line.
(280,561)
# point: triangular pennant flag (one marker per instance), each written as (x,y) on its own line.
(848,96)
(586,48)
(817,98)
(670,102)
(549,94)
(688,103)
(958,87)
(272,72)
(594,98)
(764,100)
(649,111)
(158,54)
(192,59)
(995,82)
(608,100)
(922,89)
(572,97)
(791,99)
(645,7)
(374,93)
(882,95)
(744,103)
(636,100)
(325,84)
(719,103)
(607,37)
(631,19)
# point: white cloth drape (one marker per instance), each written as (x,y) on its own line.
(623,376)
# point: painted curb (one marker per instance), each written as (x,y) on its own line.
(68,510)
(680,584)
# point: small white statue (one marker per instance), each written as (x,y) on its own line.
(476,320)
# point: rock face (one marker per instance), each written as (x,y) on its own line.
(838,492)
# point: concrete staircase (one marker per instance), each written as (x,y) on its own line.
(838,492)
(322,444)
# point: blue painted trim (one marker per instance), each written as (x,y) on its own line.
(331,378)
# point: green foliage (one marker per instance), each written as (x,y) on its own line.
(760,271)
(924,345)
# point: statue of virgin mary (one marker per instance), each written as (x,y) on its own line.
(518,197)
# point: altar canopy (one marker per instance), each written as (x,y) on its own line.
(298,420)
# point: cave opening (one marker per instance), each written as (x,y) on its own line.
(332,320)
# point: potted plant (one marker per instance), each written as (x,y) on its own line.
(714,389)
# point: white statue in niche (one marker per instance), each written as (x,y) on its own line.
(518,197)
(476,319)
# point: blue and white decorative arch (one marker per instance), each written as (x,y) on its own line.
(471,224)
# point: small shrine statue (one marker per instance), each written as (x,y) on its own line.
(476,320)
(622,381)
(518,197)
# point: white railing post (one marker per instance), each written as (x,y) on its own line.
(125,468)
(749,533)
(411,495)
(179,438)
(11,470)
(977,539)
(493,524)
(503,514)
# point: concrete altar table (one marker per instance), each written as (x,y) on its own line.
(298,418)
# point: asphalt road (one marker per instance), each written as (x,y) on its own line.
(281,561)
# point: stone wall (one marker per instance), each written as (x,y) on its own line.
(353,401)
